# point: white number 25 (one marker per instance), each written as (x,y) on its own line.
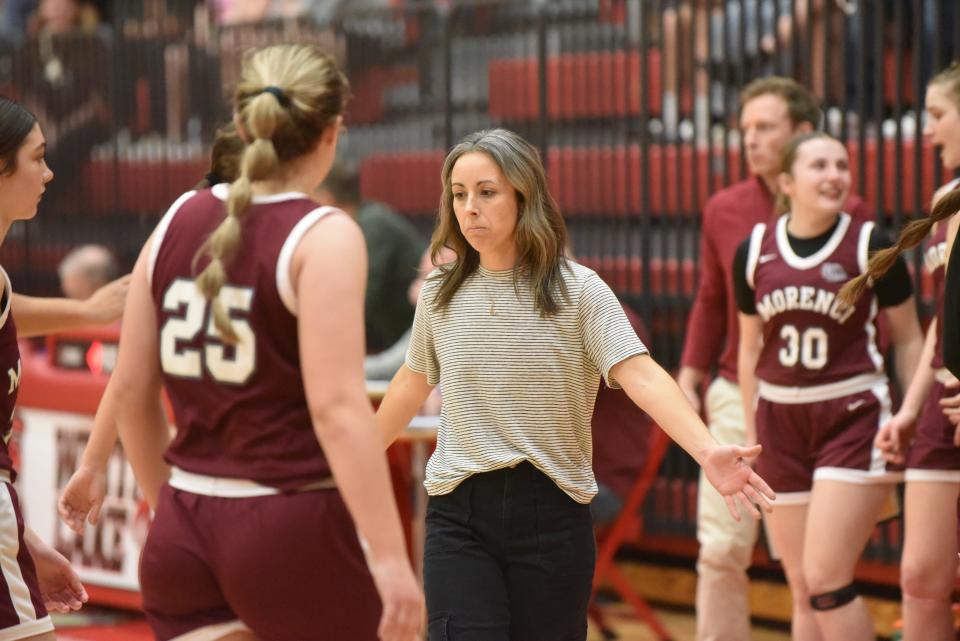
(182,297)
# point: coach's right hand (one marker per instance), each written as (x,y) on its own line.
(404,611)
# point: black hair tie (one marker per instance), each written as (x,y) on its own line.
(281,97)
(213,178)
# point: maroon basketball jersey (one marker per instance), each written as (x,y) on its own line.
(9,363)
(809,337)
(240,410)
(934,261)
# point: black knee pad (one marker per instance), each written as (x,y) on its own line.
(835,598)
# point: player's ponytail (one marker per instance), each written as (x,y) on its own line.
(286,98)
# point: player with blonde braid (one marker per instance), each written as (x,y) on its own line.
(246,305)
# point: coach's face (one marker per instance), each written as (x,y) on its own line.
(766,127)
(485,204)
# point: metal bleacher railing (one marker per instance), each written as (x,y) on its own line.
(633,104)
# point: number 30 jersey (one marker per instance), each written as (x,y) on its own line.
(809,337)
(240,410)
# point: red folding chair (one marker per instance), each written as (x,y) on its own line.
(629,524)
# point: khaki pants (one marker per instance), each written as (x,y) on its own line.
(726,545)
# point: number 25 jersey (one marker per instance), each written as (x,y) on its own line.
(240,410)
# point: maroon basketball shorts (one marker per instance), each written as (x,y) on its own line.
(287,566)
(22,613)
(933,456)
(822,439)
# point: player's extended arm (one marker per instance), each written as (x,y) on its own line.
(140,416)
(82,497)
(330,329)
(37,316)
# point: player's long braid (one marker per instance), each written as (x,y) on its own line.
(915,231)
(286,97)
(911,235)
(258,162)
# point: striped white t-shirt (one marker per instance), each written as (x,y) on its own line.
(518,386)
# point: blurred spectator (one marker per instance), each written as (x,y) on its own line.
(63,16)
(245,11)
(85,270)
(383,365)
(732,40)
(62,79)
(14,15)
(682,19)
(249,11)
(394,247)
(18,17)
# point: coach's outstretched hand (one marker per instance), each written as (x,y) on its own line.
(727,471)
(60,587)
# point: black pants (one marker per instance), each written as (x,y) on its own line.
(508,557)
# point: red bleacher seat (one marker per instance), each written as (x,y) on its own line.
(609,180)
(624,274)
(891,179)
(597,84)
(409,181)
(138,186)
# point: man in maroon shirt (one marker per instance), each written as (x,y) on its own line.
(772,111)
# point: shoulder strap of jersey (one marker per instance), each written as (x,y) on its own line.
(284,284)
(863,245)
(161,231)
(753,253)
(6,295)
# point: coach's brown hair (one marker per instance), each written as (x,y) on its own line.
(802,106)
(285,99)
(541,234)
